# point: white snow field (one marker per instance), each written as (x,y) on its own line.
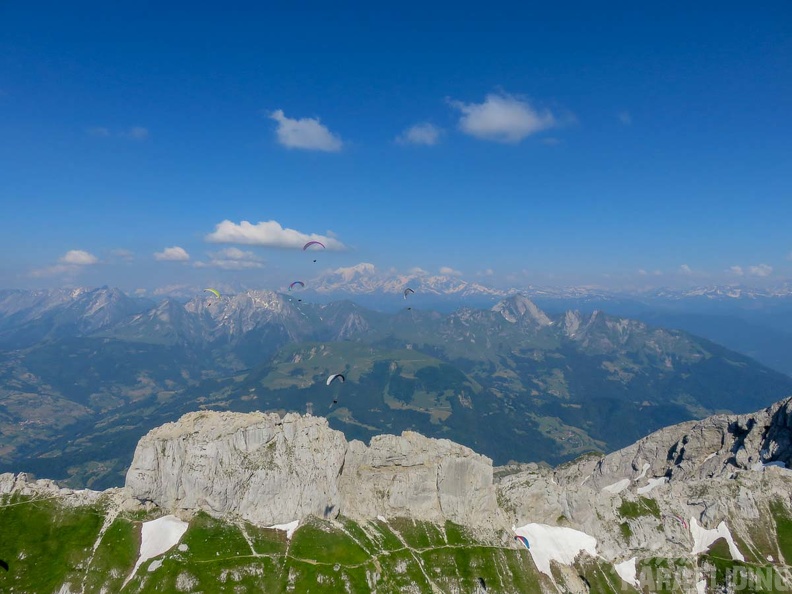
(157,537)
(627,572)
(653,482)
(703,539)
(288,528)
(617,487)
(555,543)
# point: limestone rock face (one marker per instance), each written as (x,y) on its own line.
(260,467)
(723,468)
(269,470)
(415,476)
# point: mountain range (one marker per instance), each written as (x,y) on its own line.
(220,501)
(84,373)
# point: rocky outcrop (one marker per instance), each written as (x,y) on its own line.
(415,476)
(723,468)
(272,470)
(261,467)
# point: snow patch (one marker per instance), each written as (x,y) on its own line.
(155,565)
(653,482)
(709,457)
(157,537)
(701,587)
(703,539)
(183,547)
(381,518)
(288,528)
(646,467)
(617,487)
(555,543)
(627,571)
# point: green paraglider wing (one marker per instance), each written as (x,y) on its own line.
(215,292)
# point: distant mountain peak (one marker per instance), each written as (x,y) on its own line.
(519,307)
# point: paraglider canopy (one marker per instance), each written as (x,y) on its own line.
(296,283)
(310,243)
(335,376)
(407,291)
(523,540)
(214,292)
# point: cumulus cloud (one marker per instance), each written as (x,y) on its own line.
(417,271)
(736,270)
(448,271)
(502,118)
(760,270)
(267,233)
(305,133)
(425,133)
(625,118)
(69,263)
(78,258)
(642,272)
(685,269)
(172,254)
(232,259)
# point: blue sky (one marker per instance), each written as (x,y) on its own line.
(564,144)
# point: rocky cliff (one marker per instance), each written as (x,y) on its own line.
(271,470)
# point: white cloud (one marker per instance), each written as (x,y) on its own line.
(267,233)
(760,270)
(136,133)
(232,259)
(425,133)
(305,133)
(417,271)
(70,263)
(78,258)
(448,271)
(685,269)
(487,272)
(642,272)
(658,273)
(172,254)
(736,270)
(625,118)
(502,118)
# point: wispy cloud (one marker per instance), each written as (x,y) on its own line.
(232,259)
(685,269)
(268,233)
(448,271)
(69,263)
(625,118)
(736,270)
(99,132)
(760,270)
(136,133)
(133,133)
(425,133)
(502,118)
(305,133)
(172,254)
(123,254)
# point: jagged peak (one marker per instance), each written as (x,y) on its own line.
(519,307)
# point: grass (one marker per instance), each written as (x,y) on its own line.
(44,543)
(644,506)
(783,523)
